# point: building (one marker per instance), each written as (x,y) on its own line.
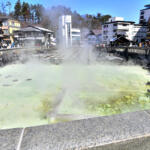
(67,36)
(1,33)
(91,38)
(139,33)
(98,34)
(94,37)
(117,26)
(34,36)
(145,15)
(64,31)
(7,28)
(76,36)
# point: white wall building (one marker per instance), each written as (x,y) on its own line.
(66,34)
(64,31)
(117,26)
(145,15)
(76,35)
(139,32)
(34,35)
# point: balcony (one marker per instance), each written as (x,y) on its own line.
(105,29)
(121,27)
(6,32)
(122,33)
(4,27)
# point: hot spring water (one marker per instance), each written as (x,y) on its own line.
(38,93)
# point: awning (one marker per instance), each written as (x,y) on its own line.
(114,39)
(16,36)
(6,39)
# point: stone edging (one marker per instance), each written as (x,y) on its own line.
(130,131)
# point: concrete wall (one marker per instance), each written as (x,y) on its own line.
(129,131)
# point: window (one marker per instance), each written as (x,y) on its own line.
(5,23)
(76,33)
(29,34)
(125,24)
(40,34)
(105,32)
(68,29)
(105,26)
(13,23)
(5,32)
(1,32)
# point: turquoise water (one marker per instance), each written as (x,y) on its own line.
(29,90)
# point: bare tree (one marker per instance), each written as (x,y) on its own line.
(8,4)
(3,8)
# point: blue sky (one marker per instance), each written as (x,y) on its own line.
(129,9)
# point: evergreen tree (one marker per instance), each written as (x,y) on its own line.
(17,10)
(105,18)
(49,18)
(32,13)
(25,11)
(98,15)
(38,12)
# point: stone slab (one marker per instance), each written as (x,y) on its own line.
(129,131)
(141,143)
(148,111)
(9,139)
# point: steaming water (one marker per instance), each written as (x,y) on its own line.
(33,92)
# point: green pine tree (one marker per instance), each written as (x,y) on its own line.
(25,11)
(17,10)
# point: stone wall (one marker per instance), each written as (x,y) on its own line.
(8,56)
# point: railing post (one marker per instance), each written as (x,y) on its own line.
(126,54)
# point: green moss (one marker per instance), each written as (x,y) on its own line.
(45,107)
(57,120)
(125,101)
